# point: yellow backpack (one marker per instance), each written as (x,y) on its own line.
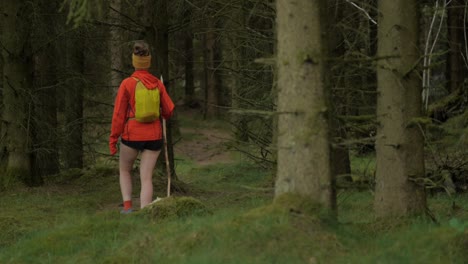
(146,103)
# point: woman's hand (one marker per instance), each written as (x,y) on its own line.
(113,149)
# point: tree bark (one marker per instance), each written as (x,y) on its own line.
(234,52)
(3,146)
(115,46)
(457,69)
(189,77)
(211,93)
(189,98)
(303,130)
(17,80)
(45,158)
(73,112)
(399,143)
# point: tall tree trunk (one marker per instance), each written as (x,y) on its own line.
(17,80)
(234,50)
(3,146)
(189,98)
(211,93)
(73,112)
(399,144)
(45,158)
(457,69)
(189,76)
(162,53)
(115,45)
(303,131)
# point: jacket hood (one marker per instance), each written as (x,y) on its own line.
(150,81)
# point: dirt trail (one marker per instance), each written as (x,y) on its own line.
(204,146)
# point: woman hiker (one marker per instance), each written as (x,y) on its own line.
(137,135)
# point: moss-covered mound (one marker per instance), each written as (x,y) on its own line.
(175,207)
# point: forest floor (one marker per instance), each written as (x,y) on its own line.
(75,217)
(208,147)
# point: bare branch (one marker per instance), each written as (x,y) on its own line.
(363,10)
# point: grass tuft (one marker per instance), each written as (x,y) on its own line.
(178,207)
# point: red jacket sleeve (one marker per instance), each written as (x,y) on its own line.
(167,106)
(119,116)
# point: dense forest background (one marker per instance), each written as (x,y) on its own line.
(327,96)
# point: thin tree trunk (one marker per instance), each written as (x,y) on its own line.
(234,53)
(457,67)
(3,146)
(17,80)
(115,46)
(163,63)
(45,158)
(399,144)
(211,93)
(189,78)
(303,131)
(189,99)
(73,145)
(220,92)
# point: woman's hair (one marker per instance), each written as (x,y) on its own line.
(141,48)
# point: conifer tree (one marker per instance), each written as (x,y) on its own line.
(399,143)
(17,80)
(303,131)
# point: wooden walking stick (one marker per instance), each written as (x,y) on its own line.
(168,168)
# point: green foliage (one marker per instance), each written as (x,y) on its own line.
(227,217)
(362,171)
(456,129)
(296,202)
(419,122)
(459,225)
(355,206)
(12,177)
(177,207)
(418,242)
(450,135)
(80,11)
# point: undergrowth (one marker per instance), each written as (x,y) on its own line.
(75,218)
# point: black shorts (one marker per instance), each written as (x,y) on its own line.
(142,145)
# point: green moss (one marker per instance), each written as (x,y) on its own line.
(451,135)
(292,204)
(419,121)
(445,102)
(458,122)
(11,229)
(79,222)
(462,243)
(13,177)
(178,207)
(297,203)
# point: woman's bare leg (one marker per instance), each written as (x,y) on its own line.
(126,160)
(147,164)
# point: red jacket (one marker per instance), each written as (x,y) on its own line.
(123,123)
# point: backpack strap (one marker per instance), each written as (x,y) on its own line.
(129,106)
